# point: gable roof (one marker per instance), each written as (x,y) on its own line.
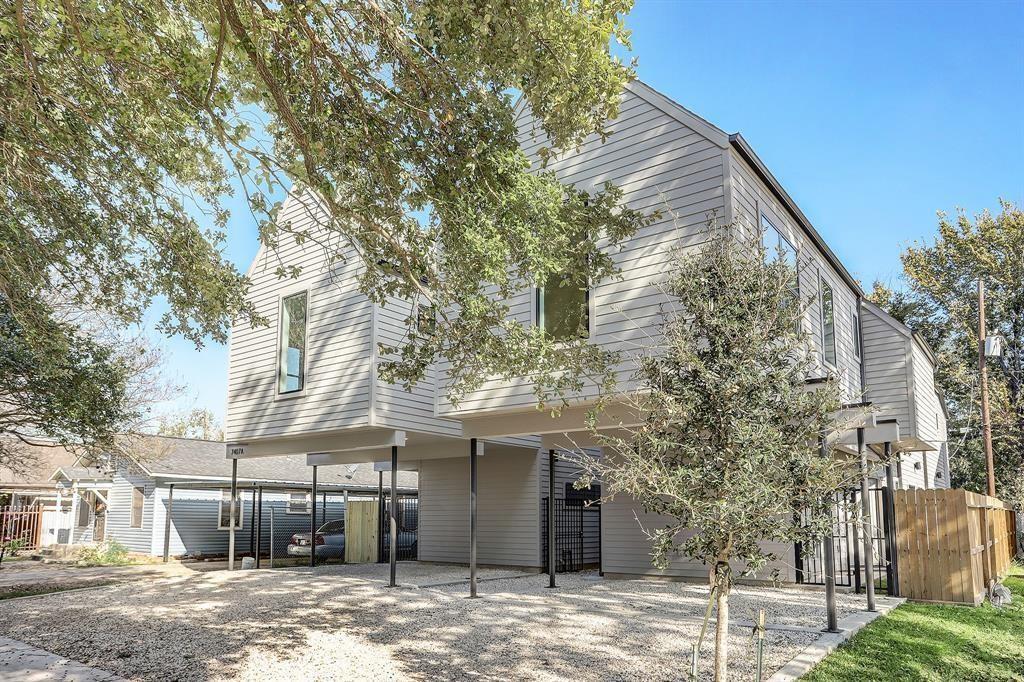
(902,329)
(747,153)
(41,461)
(877,312)
(736,141)
(190,457)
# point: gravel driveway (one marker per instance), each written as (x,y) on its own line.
(344,623)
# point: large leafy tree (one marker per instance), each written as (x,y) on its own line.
(125,124)
(729,448)
(941,302)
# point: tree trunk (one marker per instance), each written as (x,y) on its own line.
(723,585)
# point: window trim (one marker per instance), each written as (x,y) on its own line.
(284,294)
(822,283)
(83,503)
(288,505)
(537,311)
(767,222)
(239,507)
(141,490)
(858,352)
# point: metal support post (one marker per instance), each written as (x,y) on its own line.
(865,499)
(232,514)
(551,518)
(472,518)
(167,524)
(392,516)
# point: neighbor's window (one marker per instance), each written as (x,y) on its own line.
(298,503)
(293,343)
(225,510)
(138,500)
(563,309)
(856,332)
(828,323)
(83,509)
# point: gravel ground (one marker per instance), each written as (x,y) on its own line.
(343,624)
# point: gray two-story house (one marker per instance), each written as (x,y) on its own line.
(307,383)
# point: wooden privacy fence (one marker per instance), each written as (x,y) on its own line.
(21,524)
(951,543)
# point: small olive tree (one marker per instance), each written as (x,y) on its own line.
(728,451)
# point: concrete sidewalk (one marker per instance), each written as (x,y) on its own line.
(19,661)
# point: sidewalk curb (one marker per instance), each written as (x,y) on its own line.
(829,642)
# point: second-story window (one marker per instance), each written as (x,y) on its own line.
(292,372)
(828,323)
(563,308)
(776,246)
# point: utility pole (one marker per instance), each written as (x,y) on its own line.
(986,423)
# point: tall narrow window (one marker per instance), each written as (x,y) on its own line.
(224,515)
(856,333)
(777,246)
(291,374)
(138,501)
(563,309)
(828,324)
(84,502)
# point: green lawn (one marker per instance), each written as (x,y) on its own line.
(932,642)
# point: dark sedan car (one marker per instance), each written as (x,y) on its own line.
(330,542)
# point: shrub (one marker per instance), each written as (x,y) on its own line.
(108,553)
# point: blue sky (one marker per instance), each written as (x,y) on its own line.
(873,116)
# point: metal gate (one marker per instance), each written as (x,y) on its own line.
(848,546)
(407,517)
(21,525)
(577,534)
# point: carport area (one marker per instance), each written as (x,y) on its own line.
(344,622)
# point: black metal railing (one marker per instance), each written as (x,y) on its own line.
(848,546)
(577,534)
(407,517)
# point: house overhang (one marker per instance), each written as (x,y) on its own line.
(534,422)
(367,441)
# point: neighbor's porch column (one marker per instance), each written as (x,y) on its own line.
(167,523)
(472,518)
(865,503)
(393,507)
(232,514)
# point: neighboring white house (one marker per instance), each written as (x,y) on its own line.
(900,370)
(308,384)
(126,498)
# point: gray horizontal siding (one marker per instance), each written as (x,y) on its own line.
(751,200)
(627,550)
(886,370)
(338,344)
(194,530)
(507,508)
(394,406)
(119,511)
(661,164)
